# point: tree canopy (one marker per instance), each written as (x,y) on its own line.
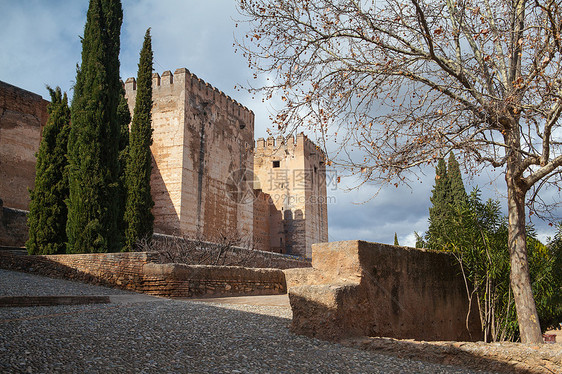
(407,81)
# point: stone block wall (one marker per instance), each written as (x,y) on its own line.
(262,227)
(292,172)
(13,227)
(201,138)
(177,280)
(22,117)
(136,271)
(357,288)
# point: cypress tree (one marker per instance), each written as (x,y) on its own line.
(396,239)
(138,215)
(93,148)
(440,204)
(47,209)
(457,194)
(449,198)
(124,118)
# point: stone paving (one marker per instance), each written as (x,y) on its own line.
(143,334)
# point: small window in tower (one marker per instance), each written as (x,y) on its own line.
(315,169)
(276,164)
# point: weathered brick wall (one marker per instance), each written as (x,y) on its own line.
(13,227)
(136,271)
(177,280)
(22,117)
(262,205)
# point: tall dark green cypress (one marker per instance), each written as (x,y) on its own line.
(440,204)
(138,215)
(396,239)
(93,148)
(47,209)
(457,192)
(124,118)
(449,198)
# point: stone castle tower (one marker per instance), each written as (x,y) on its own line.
(291,174)
(209,180)
(201,136)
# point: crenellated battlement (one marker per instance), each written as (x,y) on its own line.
(163,83)
(275,143)
(271,144)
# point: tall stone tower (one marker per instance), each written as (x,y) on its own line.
(291,174)
(201,138)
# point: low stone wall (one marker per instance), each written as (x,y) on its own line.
(136,271)
(177,280)
(13,227)
(358,288)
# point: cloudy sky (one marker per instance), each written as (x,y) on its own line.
(40,44)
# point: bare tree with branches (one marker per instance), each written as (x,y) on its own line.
(405,82)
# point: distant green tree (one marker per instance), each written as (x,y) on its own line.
(457,192)
(439,212)
(138,214)
(545,265)
(47,209)
(93,148)
(396,239)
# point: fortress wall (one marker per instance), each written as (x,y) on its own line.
(201,136)
(167,149)
(262,206)
(290,169)
(357,288)
(13,227)
(22,117)
(316,207)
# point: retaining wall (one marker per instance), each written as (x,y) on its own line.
(357,288)
(136,271)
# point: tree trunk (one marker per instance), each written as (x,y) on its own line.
(527,316)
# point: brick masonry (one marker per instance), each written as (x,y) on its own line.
(209,180)
(202,137)
(137,271)
(291,176)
